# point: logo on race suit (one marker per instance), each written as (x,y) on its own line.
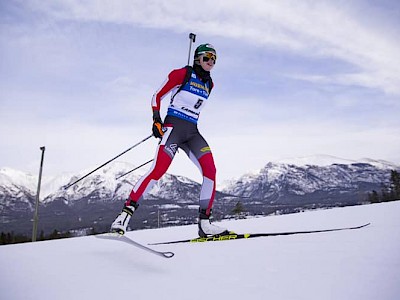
(205,149)
(171,149)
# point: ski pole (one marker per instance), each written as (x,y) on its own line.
(137,144)
(135,169)
(192,38)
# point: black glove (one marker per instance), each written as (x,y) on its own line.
(158,125)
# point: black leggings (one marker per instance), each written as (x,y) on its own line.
(185,135)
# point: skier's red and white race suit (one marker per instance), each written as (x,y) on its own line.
(181,132)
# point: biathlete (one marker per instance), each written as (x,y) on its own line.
(190,88)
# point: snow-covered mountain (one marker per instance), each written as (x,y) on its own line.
(16,190)
(100,185)
(283,180)
(285,186)
(327,160)
(94,200)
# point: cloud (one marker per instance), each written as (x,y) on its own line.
(308,28)
(287,140)
(70,145)
(296,78)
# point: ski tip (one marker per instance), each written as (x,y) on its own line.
(361,226)
(168,254)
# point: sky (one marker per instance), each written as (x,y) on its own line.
(292,79)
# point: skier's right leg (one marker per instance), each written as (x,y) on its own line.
(164,155)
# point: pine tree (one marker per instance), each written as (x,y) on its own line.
(374,197)
(3,238)
(388,193)
(395,185)
(238,210)
(41,236)
(54,235)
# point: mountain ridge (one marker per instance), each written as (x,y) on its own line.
(52,183)
(275,188)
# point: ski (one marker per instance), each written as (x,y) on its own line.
(238,236)
(122,238)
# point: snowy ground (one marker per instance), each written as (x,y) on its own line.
(359,264)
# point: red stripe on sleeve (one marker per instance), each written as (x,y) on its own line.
(175,78)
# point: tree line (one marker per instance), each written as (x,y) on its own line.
(12,238)
(389,192)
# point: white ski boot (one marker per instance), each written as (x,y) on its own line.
(121,222)
(207,229)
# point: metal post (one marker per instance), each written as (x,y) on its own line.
(35,217)
(192,38)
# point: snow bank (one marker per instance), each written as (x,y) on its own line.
(358,264)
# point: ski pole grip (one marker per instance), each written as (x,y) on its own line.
(192,36)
